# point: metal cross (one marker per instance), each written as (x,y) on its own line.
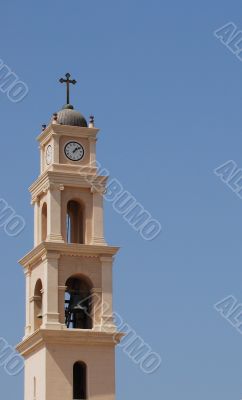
(68,81)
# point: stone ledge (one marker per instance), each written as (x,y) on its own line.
(71,249)
(67,337)
(60,179)
(67,130)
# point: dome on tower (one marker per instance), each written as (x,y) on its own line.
(69,116)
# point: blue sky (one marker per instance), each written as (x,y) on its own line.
(167,95)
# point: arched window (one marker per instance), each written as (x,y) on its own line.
(79,381)
(78,304)
(74,223)
(44,222)
(38,305)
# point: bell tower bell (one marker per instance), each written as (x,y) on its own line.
(70,335)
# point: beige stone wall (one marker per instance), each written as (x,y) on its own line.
(88,267)
(35,367)
(100,371)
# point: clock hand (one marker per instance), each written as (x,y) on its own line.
(77,148)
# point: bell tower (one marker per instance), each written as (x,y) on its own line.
(70,335)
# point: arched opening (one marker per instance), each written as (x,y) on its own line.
(78,304)
(44,222)
(74,223)
(38,305)
(79,381)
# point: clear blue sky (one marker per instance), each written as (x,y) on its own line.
(167,96)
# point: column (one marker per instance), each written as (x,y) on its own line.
(97,218)
(56,150)
(42,157)
(50,293)
(107,294)
(37,221)
(54,213)
(27,288)
(61,304)
(93,142)
(96,308)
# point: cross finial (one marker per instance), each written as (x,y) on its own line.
(68,81)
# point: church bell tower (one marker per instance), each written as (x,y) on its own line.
(70,334)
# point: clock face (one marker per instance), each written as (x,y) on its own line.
(48,155)
(74,151)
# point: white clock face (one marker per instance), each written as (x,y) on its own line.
(74,151)
(48,155)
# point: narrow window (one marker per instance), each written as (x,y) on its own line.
(34,388)
(44,222)
(79,381)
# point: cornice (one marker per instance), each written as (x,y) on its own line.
(76,250)
(67,130)
(70,168)
(62,179)
(43,337)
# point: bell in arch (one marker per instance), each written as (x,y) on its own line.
(77,305)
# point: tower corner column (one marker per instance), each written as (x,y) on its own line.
(27,273)
(107,321)
(54,213)
(50,291)
(97,218)
(36,203)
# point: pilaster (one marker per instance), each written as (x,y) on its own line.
(93,142)
(97,217)
(54,213)
(56,150)
(27,272)
(50,291)
(61,303)
(107,295)
(97,308)
(37,223)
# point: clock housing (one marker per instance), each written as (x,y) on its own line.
(58,136)
(74,150)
